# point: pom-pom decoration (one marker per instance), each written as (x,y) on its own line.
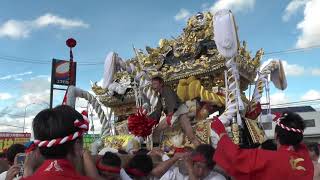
(140,124)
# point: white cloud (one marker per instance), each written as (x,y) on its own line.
(310,25)
(50,19)
(315,71)
(183,14)
(15,76)
(35,90)
(7,124)
(16,29)
(311,95)
(290,69)
(233,5)
(292,8)
(5,96)
(99,83)
(276,98)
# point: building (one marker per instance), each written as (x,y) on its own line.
(309,114)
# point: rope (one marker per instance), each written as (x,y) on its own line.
(82,125)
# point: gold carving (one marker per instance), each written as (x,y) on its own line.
(257,134)
(235,133)
(121,142)
(172,137)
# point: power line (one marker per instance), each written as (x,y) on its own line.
(95,62)
(296,102)
(2,124)
(44,62)
(292,50)
(13,115)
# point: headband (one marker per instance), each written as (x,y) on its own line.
(107,168)
(278,119)
(135,172)
(198,158)
(82,125)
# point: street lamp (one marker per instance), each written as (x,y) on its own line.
(25,112)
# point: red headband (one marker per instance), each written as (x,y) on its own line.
(31,147)
(135,172)
(198,158)
(110,169)
(179,150)
(280,117)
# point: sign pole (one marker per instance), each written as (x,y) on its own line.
(71,43)
(68,78)
(51,84)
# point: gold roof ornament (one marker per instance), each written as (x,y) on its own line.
(192,65)
(192,53)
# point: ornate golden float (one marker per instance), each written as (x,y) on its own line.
(193,67)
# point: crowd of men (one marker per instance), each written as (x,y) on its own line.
(57,153)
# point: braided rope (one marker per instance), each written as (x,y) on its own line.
(231,94)
(74,92)
(288,128)
(262,80)
(82,125)
(151,95)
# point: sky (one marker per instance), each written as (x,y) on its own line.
(34,32)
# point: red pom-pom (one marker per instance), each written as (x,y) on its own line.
(140,125)
(71,42)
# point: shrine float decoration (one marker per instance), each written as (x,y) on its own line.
(209,69)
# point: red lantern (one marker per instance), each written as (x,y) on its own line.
(71,42)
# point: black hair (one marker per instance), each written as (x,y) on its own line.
(2,155)
(13,150)
(207,151)
(142,162)
(56,123)
(313,147)
(111,159)
(158,78)
(142,151)
(290,120)
(269,145)
(121,151)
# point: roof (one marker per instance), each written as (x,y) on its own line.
(296,109)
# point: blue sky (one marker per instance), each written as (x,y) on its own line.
(36,31)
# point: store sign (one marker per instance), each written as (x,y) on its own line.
(88,139)
(60,72)
(7,139)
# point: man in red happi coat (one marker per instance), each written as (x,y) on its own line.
(58,134)
(290,161)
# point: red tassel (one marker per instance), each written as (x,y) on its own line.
(140,125)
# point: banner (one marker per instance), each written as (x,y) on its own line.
(88,139)
(7,139)
(60,72)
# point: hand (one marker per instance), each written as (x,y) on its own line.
(13,172)
(156,152)
(89,166)
(181,155)
(218,127)
(32,162)
(188,163)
